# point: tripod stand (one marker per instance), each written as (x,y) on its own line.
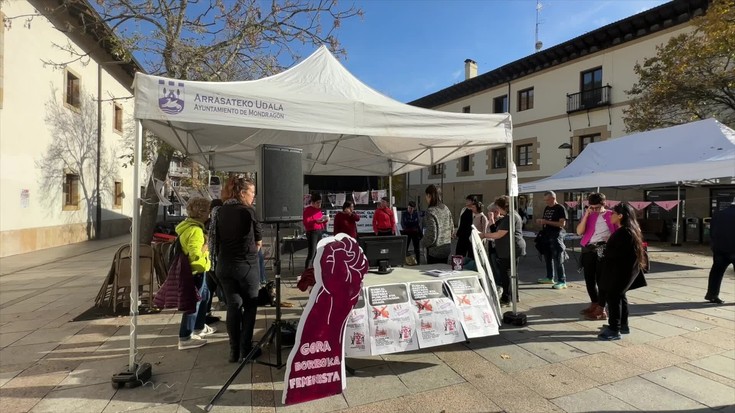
(273,332)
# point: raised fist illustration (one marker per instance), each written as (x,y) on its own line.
(315,366)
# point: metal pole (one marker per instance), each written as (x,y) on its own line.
(135,246)
(678,212)
(98,207)
(512,234)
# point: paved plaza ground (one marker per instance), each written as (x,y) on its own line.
(680,355)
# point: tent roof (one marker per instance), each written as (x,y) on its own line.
(691,152)
(343,126)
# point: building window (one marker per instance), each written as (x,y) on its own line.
(591,87)
(464,164)
(117,117)
(71,191)
(437,169)
(500,104)
(466,109)
(500,158)
(525,99)
(73,90)
(118,194)
(588,139)
(525,156)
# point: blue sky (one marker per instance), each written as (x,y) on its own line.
(407,49)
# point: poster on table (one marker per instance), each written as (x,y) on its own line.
(357,331)
(315,366)
(391,322)
(437,316)
(487,277)
(478,318)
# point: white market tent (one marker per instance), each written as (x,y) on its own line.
(342,126)
(694,151)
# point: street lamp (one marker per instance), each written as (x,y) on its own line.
(567,145)
(98,212)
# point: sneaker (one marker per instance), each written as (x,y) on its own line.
(193,342)
(609,335)
(623,329)
(206,331)
(559,286)
(545,281)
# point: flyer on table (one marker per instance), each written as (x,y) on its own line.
(478,318)
(391,321)
(357,330)
(438,318)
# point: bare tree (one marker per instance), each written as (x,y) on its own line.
(73,149)
(212,40)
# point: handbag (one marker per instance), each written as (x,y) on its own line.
(638,282)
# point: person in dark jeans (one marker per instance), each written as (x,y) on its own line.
(503,238)
(315,222)
(236,237)
(722,241)
(552,221)
(412,230)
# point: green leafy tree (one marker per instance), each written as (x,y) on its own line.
(692,76)
(212,40)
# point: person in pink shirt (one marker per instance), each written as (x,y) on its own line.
(315,223)
(595,228)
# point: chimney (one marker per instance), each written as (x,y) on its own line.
(470,69)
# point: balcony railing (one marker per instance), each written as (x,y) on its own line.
(589,99)
(179,171)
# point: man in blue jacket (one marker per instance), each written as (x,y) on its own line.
(722,241)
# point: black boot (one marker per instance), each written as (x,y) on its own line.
(234,355)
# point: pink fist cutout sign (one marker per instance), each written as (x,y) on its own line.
(315,367)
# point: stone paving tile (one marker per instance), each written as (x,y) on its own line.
(654,327)
(695,387)
(396,405)
(552,349)
(171,361)
(464,398)
(30,353)
(555,380)
(680,322)
(685,347)
(206,382)
(708,374)
(636,337)
(7,339)
(720,337)
(512,396)
(49,335)
(24,325)
(92,399)
(23,392)
(511,357)
(94,372)
(729,354)
(6,376)
(705,318)
(647,357)
(374,384)
(228,403)
(648,396)
(604,368)
(425,373)
(328,404)
(160,389)
(592,400)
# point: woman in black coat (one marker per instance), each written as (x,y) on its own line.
(464,231)
(623,262)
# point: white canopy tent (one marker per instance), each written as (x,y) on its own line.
(694,151)
(342,126)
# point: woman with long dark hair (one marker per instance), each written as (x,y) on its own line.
(623,262)
(464,231)
(235,236)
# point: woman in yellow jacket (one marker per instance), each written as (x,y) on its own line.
(194,246)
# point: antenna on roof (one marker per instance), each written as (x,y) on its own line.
(538,45)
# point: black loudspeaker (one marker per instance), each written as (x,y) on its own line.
(280,184)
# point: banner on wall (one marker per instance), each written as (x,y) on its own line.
(437,316)
(315,367)
(365,224)
(478,319)
(392,326)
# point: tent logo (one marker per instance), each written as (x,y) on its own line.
(170,96)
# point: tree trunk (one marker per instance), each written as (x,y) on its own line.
(149,215)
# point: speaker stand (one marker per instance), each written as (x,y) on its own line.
(273,332)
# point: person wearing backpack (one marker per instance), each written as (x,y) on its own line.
(193,244)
